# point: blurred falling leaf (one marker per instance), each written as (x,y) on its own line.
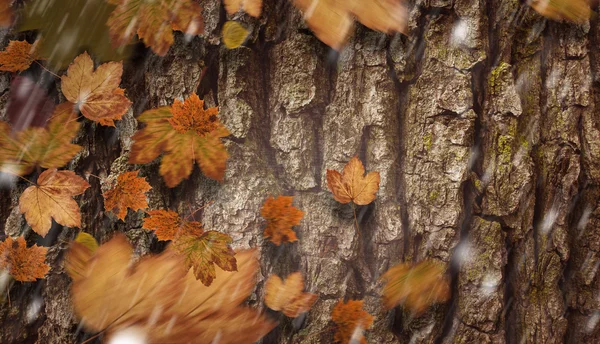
(332,20)
(129,192)
(28,104)
(6,13)
(154,22)
(25,264)
(351,185)
(416,287)
(281,216)
(51,199)
(48,147)
(576,11)
(234,34)
(351,321)
(252,7)
(288,296)
(96,93)
(80,252)
(159,299)
(70,27)
(18,56)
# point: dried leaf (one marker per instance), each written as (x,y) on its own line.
(51,199)
(186,133)
(154,22)
(576,11)
(80,252)
(23,264)
(281,216)
(289,296)
(28,104)
(234,34)
(96,93)
(113,295)
(252,7)
(416,287)
(48,147)
(18,56)
(128,193)
(351,185)
(168,225)
(332,20)
(351,321)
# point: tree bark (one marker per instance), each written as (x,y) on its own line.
(483,123)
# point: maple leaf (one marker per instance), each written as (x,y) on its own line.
(158,298)
(18,56)
(288,296)
(252,7)
(351,320)
(234,34)
(417,287)
(129,192)
(200,249)
(351,185)
(28,104)
(25,264)
(281,217)
(51,199)
(96,93)
(80,252)
(48,147)
(186,133)
(576,11)
(332,20)
(154,22)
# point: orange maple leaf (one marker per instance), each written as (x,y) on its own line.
(416,287)
(351,320)
(96,93)
(51,199)
(281,216)
(48,147)
(351,185)
(18,56)
(129,192)
(154,22)
(23,264)
(252,7)
(332,20)
(201,249)
(576,11)
(288,296)
(186,133)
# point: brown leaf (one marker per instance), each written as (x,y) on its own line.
(351,185)
(576,11)
(78,255)
(96,93)
(51,199)
(18,56)
(289,296)
(281,216)
(252,7)
(6,13)
(128,193)
(23,264)
(416,287)
(351,321)
(168,225)
(186,133)
(48,147)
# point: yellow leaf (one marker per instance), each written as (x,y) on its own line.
(234,34)
(289,296)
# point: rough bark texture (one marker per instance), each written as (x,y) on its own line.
(483,123)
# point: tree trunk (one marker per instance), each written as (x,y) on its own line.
(483,123)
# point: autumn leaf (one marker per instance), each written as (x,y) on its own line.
(51,199)
(234,34)
(80,252)
(351,321)
(351,185)
(252,7)
(129,192)
(48,147)
(185,133)
(113,295)
(25,264)
(281,216)
(576,11)
(288,296)
(28,104)
(18,56)
(96,93)
(332,20)
(201,249)
(6,13)
(416,287)
(154,22)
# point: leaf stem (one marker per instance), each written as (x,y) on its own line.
(16,175)
(355,220)
(47,70)
(197,210)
